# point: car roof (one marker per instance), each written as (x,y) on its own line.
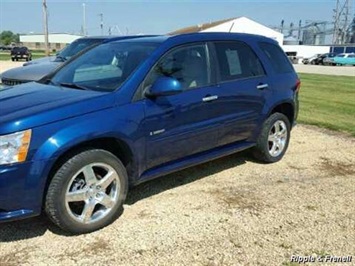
(210,36)
(113,37)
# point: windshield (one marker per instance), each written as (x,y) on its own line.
(77,46)
(105,67)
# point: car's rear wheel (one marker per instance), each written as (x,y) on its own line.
(87,192)
(274,138)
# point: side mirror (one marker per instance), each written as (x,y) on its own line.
(164,86)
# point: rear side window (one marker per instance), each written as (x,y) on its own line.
(237,60)
(278,59)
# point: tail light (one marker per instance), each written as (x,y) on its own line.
(298,85)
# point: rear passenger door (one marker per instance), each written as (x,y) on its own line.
(243,86)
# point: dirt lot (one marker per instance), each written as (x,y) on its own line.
(5,65)
(232,211)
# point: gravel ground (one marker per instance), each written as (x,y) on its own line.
(6,65)
(231,211)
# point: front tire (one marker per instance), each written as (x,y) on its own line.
(87,192)
(273,140)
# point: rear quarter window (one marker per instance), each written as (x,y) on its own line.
(276,57)
(237,60)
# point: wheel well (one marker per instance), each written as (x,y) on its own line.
(117,147)
(286,109)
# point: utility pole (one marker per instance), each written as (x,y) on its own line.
(45,21)
(342,15)
(102,23)
(85,33)
(336,23)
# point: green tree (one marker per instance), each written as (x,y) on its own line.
(7,37)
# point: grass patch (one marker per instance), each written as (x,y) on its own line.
(7,56)
(328,101)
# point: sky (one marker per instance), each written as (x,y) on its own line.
(153,17)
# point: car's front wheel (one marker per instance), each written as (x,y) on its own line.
(274,138)
(87,192)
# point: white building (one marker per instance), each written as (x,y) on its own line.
(235,25)
(57,41)
(304,51)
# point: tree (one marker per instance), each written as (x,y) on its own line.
(7,37)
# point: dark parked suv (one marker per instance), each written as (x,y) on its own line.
(39,68)
(129,111)
(21,53)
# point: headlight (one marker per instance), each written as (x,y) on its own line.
(14,147)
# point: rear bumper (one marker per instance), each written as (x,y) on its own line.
(21,189)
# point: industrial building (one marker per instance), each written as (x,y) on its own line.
(235,25)
(57,41)
(290,45)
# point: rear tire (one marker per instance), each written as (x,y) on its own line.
(273,140)
(87,192)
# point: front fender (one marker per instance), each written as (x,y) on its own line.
(62,136)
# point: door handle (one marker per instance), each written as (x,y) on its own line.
(262,86)
(209,98)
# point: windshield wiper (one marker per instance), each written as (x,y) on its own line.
(73,86)
(62,58)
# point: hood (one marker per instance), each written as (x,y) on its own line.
(40,60)
(32,104)
(30,73)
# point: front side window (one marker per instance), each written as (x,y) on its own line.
(105,67)
(236,61)
(188,65)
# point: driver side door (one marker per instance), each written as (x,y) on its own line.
(184,124)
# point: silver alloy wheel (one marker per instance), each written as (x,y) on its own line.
(92,193)
(277,138)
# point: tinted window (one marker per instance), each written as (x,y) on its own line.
(189,65)
(105,67)
(277,58)
(15,49)
(236,60)
(77,46)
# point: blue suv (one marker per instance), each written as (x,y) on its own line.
(132,110)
